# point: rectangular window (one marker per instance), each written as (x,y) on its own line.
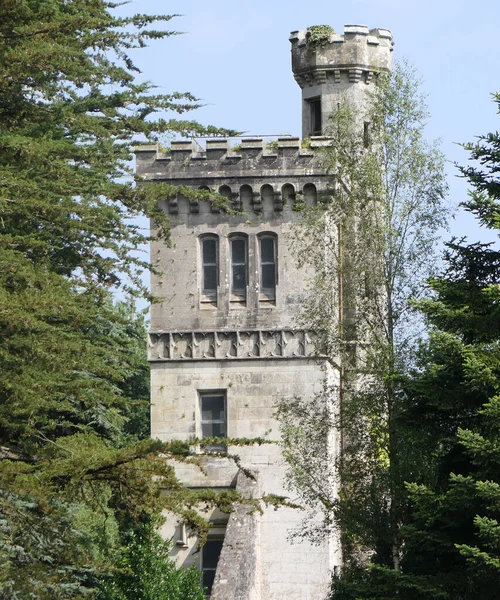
(210,267)
(367,134)
(315,116)
(210,554)
(268,267)
(239,268)
(213,415)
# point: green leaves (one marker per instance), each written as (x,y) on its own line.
(371,247)
(74,390)
(145,571)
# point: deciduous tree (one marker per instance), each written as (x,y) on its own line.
(371,244)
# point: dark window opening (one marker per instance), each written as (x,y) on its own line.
(210,267)
(213,418)
(239,267)
(367,138)
(315,116)
(210,554)
(268,272)
(213,415)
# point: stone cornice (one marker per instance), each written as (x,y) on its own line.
(231,345)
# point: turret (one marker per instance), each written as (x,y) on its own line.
(330,67)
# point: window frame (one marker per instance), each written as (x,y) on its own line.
(213,393)
(211,538)
(209,295)
(267,294)
(238,294)
(315,116)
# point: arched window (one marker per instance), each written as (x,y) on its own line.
(239,267)
(209,247)
(268,271)
(202,206)
(246,197)
(310,194)
(288,194)
(267,195)
(225,191)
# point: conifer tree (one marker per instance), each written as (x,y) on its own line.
(70,465)
(451,412)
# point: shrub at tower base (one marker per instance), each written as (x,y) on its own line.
(450,410)
(146,572)
(73,470)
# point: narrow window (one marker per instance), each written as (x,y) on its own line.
(225,191)
(246,198)
(267,195)
(213,415)
(210,268)
(367,134)
(213,419)
(288,194)
(210,554)
(310,194)
(239,268)
(315,116)
(268,271)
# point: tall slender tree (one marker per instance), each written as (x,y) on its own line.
(371,246)
(450,412)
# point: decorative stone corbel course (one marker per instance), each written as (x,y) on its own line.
(230,345)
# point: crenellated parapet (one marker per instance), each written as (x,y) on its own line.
(187,159)
(356,56)
(255,175)
(331,68)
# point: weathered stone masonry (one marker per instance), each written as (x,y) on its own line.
(224,344)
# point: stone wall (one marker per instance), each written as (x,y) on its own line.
(283,569)
(342,68)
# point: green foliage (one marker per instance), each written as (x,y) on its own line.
(75,463)
(452,528)
(369,247)
(318,36)
(452,412)
(272,146)
(145,571)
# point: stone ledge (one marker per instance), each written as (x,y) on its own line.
(231,345)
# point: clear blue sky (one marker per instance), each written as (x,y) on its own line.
(236,57)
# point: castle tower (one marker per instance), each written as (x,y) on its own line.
(224,345)
(330,67)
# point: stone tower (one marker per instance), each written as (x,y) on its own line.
(341,67)
(224,346)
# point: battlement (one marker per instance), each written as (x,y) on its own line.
(192,152)
(258,177)
(359,51)
(330,68)
(352,33)
(251,157)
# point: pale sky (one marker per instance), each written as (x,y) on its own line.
(236,57)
